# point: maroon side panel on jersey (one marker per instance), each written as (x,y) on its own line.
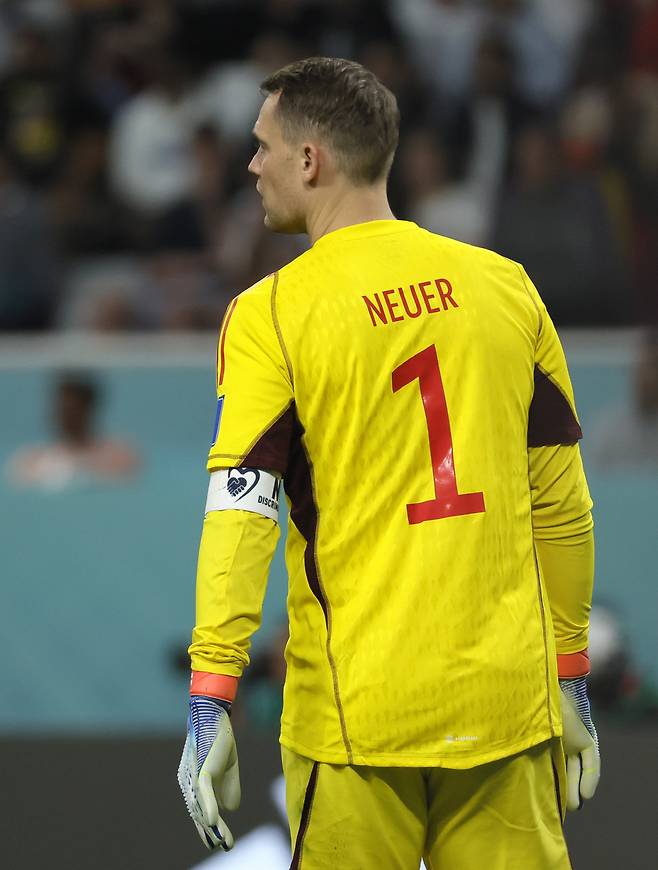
(551,419)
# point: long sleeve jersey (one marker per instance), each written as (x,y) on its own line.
(412,393)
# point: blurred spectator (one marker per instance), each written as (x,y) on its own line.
(627,437)
(181,283)
(638,148)
(644,38)
(247,250)
(341,26)
(586,128)
(557,224)
(481,130)
(546,36)
(34,108)
(47,13)
(170,290)
(391,65)
(453,185)
(87,219)
(102,293)
(181,292)
(229,95)
(442,38)
(211,162)
(109,65)
(132,118)
(486,124)
(151,161)
(434,198)
(28,263)
(212,30)
(6,31)
(77,455)
(301,20)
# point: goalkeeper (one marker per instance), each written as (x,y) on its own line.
(412,394)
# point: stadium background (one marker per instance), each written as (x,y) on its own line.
(127,221)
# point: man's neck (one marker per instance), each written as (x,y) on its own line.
(78,440)
(355,205)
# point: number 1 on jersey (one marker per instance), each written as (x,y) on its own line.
(447,501)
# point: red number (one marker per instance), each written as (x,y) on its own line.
(447,501)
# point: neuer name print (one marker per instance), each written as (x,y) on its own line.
(426,297)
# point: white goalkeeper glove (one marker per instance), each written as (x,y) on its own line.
(208,773)
(580,742)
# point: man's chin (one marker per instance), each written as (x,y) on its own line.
(281,226)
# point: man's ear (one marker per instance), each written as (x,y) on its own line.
(311,160)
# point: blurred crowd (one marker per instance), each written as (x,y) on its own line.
(529,126)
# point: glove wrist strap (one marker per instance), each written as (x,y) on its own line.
(573,665)
(221,687)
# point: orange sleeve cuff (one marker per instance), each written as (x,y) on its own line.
(219,686)
(573,665)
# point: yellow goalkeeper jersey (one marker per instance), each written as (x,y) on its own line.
(395,379)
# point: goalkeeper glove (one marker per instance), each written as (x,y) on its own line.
(580,742)
(208,773)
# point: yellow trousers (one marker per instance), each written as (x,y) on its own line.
(505,815)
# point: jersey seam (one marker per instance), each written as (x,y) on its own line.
(277,327)
(530,297)
(222,341)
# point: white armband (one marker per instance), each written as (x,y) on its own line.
(245,489)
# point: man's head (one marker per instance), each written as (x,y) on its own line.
(326,124)
(76,398)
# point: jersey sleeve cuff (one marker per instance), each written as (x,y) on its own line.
(572,665)
(221,686)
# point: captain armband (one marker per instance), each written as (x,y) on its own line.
(244,489)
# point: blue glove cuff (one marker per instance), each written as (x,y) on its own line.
(576,691)
(205,714)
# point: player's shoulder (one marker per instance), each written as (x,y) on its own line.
(253,300)
(263,289)
(299,266)
(474,255)
(259,290)
(251,309)
(278,285)
(488,269)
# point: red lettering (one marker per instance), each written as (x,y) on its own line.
(375,308)
(391,305)
(415,313)
(446,295)
(447,501)
(427,296)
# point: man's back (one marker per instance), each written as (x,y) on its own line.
(400,423)
(412,394)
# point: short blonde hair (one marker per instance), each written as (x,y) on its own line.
(347,105)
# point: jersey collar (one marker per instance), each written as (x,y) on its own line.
(366,229)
